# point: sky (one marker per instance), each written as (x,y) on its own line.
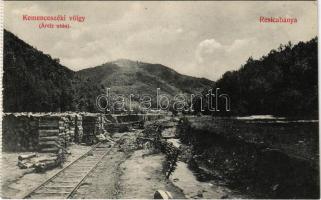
(201,39)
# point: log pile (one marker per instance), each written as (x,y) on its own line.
(118,127)
(93,125)
(48,132)
(50,162)
(41,163)
(41,132)
(128,118)
(79,132)
(26,156)
(65,130)
(152,117)
(50,138)
(19,133)
(56,132)
(138,117)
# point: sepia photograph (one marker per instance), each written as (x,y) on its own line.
(160,100)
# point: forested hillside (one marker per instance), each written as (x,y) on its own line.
(133,77)
(35,82)
(283,83)
(127,77)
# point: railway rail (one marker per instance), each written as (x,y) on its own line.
(65,183)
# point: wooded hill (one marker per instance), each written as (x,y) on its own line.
(282,83)
(35,82)
(127,77)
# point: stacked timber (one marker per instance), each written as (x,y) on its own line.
(71,128)
(129,118)
(49,131)
(91,128)
(152,117)
(118,127)
(19,132)
(94,125)
(110,119)
(66,130)
(44,132)
(51,134)
(78,129)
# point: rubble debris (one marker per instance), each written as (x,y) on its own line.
(200,193)
(161,194)
(169,133)
(101,138)
(153,136)
(225,196)
(275,187)
(175,119)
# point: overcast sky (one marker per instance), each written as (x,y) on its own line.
(202,39)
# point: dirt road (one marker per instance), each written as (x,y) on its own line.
(127,172)
(142,175)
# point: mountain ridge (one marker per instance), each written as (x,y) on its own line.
(39,83)
(154,75)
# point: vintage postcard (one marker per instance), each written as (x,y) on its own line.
(160,100)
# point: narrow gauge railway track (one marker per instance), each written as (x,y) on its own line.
(66,182)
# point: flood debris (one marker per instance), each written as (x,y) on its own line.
(161,194)
(155,136)
(172,154)
(104,137)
